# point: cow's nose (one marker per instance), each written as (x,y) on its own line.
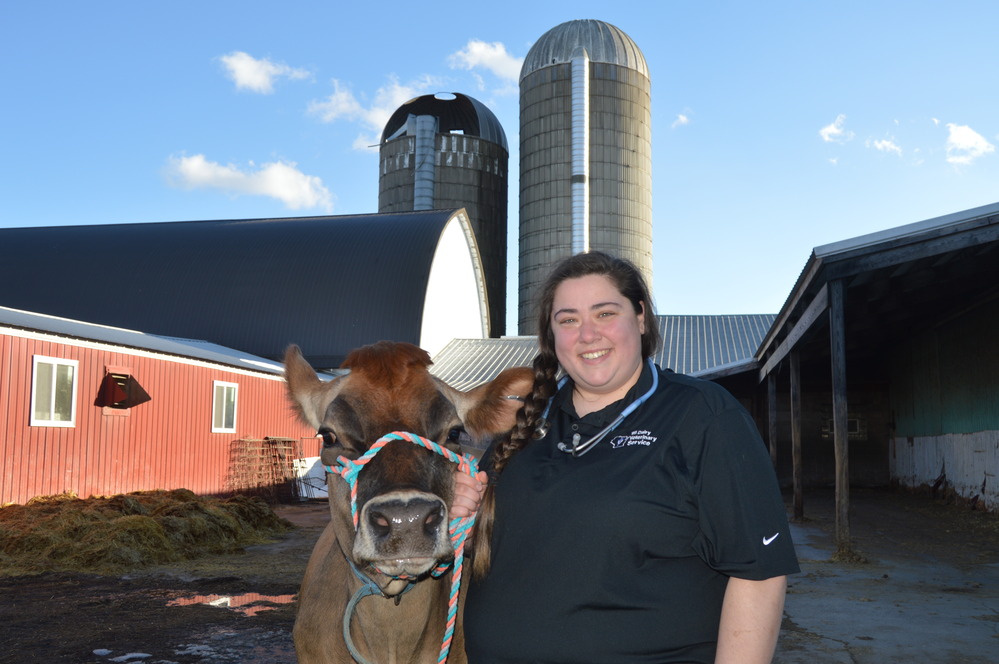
(402,518)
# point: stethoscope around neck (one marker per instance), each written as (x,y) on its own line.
(578,449)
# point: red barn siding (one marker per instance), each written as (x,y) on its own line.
(165,443)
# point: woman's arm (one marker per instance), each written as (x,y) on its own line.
(750,620)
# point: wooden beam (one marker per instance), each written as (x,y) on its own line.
(772,417)
(812,314)
(797,473)
(841,438)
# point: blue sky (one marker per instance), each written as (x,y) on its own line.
(777,126)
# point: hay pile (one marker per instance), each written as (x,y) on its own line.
(123,532)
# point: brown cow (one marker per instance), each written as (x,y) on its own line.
(403,494)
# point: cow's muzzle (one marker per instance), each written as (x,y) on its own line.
(403,534)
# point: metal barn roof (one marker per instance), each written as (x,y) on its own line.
(14,319)
(328,284)
(698,345)
(465,363)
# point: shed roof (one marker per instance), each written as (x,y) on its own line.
(891,280)
(329,284)
(27,321)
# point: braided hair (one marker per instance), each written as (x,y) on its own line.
(630,283)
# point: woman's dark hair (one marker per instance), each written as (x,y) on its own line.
(629,282)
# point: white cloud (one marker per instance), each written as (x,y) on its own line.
(280,180)
(885,145)
(834,132)
(340,104)
(964,144)
(681,119)
(492,57)
(257,75)
(343,105)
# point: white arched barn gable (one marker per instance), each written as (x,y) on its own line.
(455,302)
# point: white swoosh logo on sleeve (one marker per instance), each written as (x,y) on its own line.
(768,540)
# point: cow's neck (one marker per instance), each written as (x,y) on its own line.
(415,620)
(413,614)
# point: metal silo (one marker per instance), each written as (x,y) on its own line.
(585,153)
(449,151)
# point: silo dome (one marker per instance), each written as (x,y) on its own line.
(603,43)
(446,151)
(585,153)
(455,113)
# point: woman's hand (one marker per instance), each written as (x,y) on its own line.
(468,492)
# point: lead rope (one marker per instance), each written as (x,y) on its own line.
(458,530)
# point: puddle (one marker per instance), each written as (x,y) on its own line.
(249,604)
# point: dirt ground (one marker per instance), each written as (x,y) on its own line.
(149,616)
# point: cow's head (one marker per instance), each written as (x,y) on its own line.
(404,491)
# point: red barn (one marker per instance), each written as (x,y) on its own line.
(97,410)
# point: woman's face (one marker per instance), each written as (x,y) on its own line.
(598,339)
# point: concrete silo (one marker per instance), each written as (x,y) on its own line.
(449,151)
(585,153)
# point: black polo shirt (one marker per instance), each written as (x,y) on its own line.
(623,554)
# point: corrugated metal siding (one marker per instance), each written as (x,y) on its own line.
(162,444)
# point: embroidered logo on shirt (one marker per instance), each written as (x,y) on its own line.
(768,540)
(643,437)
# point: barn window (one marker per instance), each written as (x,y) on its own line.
(119,390)
(53,392)
(224,407)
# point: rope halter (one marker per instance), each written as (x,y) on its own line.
(458,529)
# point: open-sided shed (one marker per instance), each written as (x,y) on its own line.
(887,350)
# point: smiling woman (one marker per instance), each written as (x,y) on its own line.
(672,495)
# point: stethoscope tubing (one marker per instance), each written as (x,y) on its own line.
(578,449)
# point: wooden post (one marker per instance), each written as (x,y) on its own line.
(841,439)
(799,501)
(772,417)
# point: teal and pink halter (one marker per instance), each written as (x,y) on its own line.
(458,530)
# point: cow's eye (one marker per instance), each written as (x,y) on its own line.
(329,438)
(456,437)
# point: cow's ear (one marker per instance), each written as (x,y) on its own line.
(492,408)
(308,394)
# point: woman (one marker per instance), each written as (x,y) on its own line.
(633,515)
